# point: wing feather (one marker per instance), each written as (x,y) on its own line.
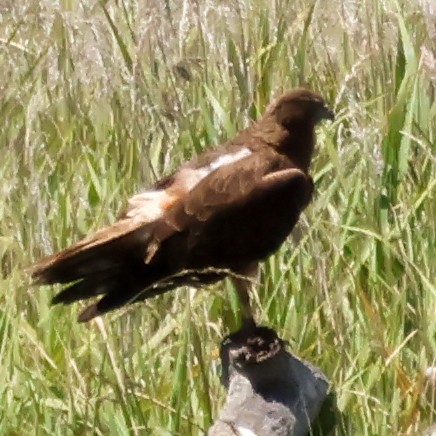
(224,188)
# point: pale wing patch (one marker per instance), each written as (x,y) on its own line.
(187,178)
(228,158)
(151,205)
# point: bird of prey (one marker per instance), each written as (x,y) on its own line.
(218,215)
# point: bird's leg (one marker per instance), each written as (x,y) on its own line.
(243,283)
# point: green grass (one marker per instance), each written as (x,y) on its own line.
(98,99)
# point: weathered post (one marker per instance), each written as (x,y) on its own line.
(271,392)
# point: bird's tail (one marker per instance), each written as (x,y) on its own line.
(101,251)
(110,263)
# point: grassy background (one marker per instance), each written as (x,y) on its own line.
(97,99)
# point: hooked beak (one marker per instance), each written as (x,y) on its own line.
(327,113)
(323,112)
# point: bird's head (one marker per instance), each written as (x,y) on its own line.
(289,121)
(299,106)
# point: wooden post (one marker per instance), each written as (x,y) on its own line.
(271,392)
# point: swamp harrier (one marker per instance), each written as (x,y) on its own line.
(218,215)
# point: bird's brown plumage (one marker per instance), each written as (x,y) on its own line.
(218,214)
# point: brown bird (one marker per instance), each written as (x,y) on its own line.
(218,215)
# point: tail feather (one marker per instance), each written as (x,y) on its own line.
(102,251)
(133,290)
(110,263)
(98,284)
(88,314)
(117,289)
(110,301)
(120,291)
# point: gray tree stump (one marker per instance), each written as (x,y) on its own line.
(270,391)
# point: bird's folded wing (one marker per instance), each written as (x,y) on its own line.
(230,186)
